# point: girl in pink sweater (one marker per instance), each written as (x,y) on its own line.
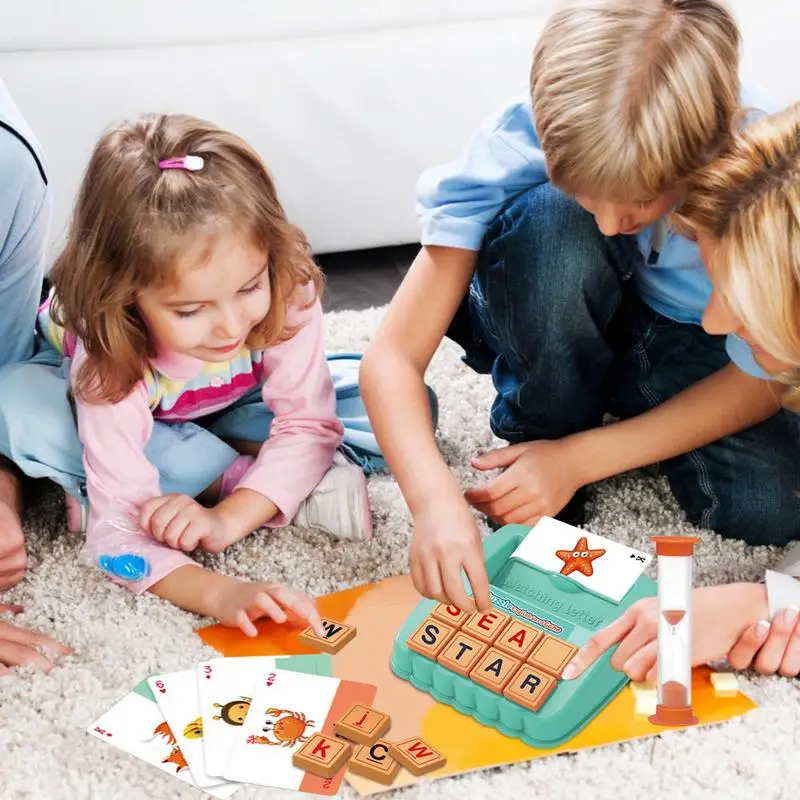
(185,296)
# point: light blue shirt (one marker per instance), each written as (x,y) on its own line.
(458,201)
(25,209)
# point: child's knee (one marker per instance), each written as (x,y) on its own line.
(758,507)
(544,258)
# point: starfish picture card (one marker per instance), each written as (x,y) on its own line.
(601,565)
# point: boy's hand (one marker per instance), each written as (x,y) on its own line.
(770,648)
(719,615)
(241,602)
(20,647)
(539,480)
(445,541)
(180,522)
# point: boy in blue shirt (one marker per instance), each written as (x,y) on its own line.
(547,255)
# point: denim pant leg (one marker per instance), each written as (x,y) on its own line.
(248,419)
(744,486)
(547,286)
(188,457)
(37,426)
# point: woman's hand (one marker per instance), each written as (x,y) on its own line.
(719,616)
(20,647)
(540,478)
(770,648)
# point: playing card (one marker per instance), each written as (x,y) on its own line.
(287,708)
(226,685)
(177,696)
(137,726)
(601,565)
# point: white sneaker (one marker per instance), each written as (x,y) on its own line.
(339,504)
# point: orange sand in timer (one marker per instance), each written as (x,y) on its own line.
(674,693)
(673,617)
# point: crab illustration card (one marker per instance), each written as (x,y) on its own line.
(601,565)
(285,711)
(177,697)
(137,726)
(226,686)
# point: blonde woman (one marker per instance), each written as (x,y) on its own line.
(744,212)
(546,254)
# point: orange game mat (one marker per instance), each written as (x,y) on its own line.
(378,610)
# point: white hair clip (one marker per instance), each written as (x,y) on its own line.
(191,163)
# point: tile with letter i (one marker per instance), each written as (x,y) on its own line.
(450,615)
(494,670)
(375,762)
(529,687)
(518,639)
(486,626)
(461,653)
(552,655)
(417,756)
(362,724)
(430,638)
(322,756)
(337,635)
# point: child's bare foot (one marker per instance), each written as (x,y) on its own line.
(13,557)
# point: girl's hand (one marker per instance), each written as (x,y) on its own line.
(770,648)
(180,522)
(241,602)
(719,615)
(539,480)
(20,647)
(445,541)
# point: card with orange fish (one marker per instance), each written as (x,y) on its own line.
(137,726)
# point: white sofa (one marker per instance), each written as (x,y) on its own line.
(346,100)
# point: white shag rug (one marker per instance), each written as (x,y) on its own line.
(119,640)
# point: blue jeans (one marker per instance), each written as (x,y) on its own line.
(553,314)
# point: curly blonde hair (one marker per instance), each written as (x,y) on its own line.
(131,221)
(747,202)
(631,96)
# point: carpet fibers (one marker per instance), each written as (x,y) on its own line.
(119,640)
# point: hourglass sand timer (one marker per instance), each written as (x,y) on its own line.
(674,630)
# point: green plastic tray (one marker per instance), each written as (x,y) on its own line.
(552,598)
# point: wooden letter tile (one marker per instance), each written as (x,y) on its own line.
(494,670)
(518,639)
(552,655)
(429,639)
(486,627)
(362,724)
(450,615)
(725,684)
(417,756)
(322,755)
(462,653)
(529,687)
(645,697)
(374,761)
(337,635)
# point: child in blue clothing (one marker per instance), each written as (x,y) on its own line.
(547,255)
